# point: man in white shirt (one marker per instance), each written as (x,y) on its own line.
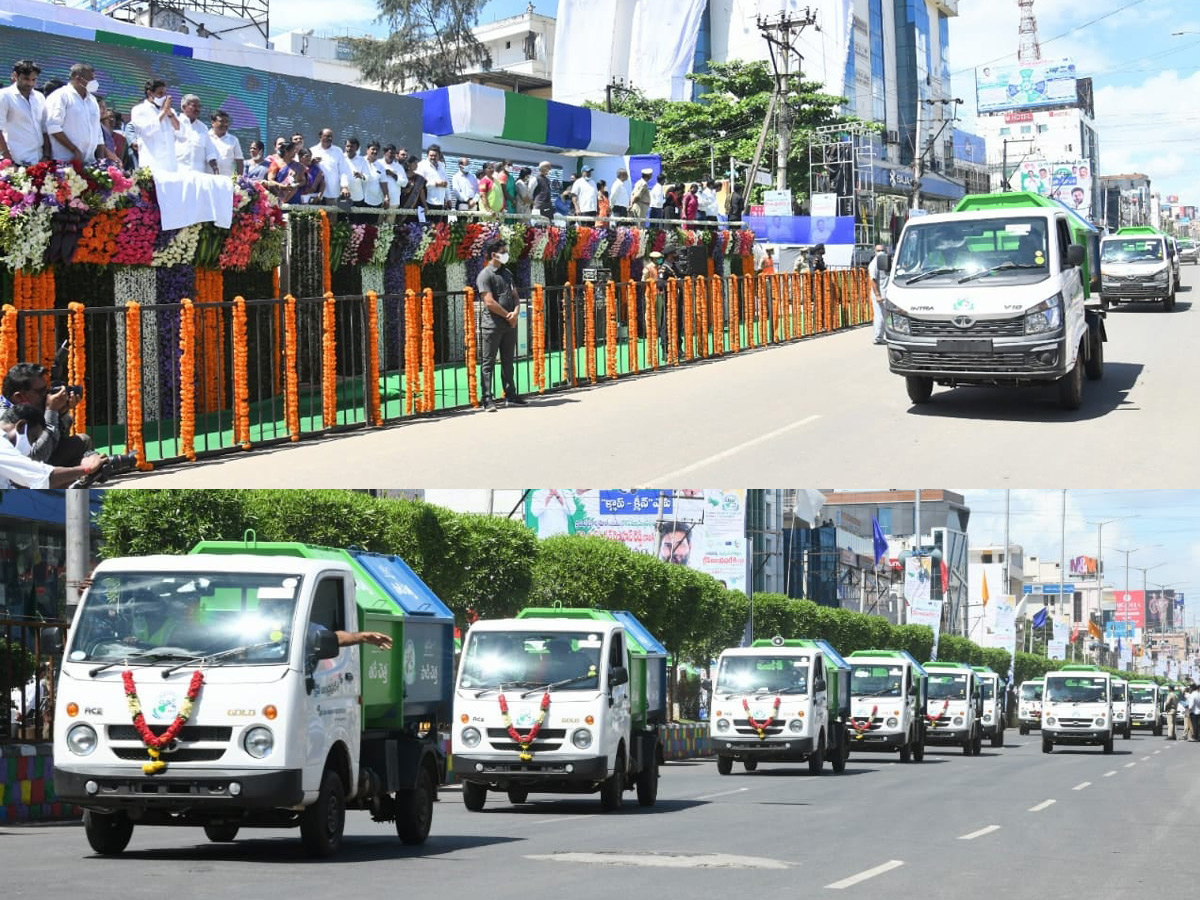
(433,170)
(357,166)
(376,190)
(228,147)
(17,470)
(465,186)
(23,137)
(158,129)
(332,162)
(585,198)
(658,198)
(708,201)
(878,272)
(619,193)
(73,118)
(196,153)
(397,174)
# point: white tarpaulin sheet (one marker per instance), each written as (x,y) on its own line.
(476,110)
(657,66)
(610,134)
(585,29)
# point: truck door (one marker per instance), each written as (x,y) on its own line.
(820,698)
(1072,277)
(618,696)
(332,712)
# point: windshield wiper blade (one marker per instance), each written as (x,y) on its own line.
(140,658)
(793,690)
(214,657)
(556,684)
(1000,268)
(932,273)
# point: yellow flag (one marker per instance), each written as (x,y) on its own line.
(1094,630)
(985,590)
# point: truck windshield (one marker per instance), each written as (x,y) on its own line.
(1118,693)
(1141,695)
(1128,250)
(1031,692)
(765,674)
(987,689)
(1076,690)
(876,681)
(1007,248)
(947,687)
(499,659)
(183,614)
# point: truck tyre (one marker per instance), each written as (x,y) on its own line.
(906,752)
(1108,744)
(474,796)
(1158,730)
(1094,367)
(1168,302)
(612,790)
(1104,303)
(840,755)
(517,795)
(816,762)
(1024,731)
(107,833)
(919,750)
(221,833)
(1070,386)
(920,388)
(1125,734)
(750,764)
(647,785)
(1047,745)
(998,738)
(977,744)
(966,745)
(724,764)
(414,809)
(321,824)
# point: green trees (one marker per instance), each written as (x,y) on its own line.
(429,44)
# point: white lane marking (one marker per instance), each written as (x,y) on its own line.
(722,794)
(1081,785)
(732,451)
(1156,752)
(1110,774)
(664,860)
(1144,758)
(1043,805)
(1130,765)
(863,876)
(980,833)
(562,819)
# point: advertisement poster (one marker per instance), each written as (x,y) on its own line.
(1056,649)
(1131,607)
(917,580)
(702,529)
(1061,632)
(993,615)
(1160,609)
(1071,182)
(1027,85)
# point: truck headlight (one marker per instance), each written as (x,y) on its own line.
(1162,274)
(470,738)
(987,717)
(258,741)
(1100,721)
(1051,720)
(892,722)
(897,321)
(958,720)
(81,739)
(722,725)
(796,725)
(582,738)
(1045,317)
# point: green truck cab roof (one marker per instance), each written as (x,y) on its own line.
(986,670)
(1078,667)
(1138,231)
(831,655)
(902,655)
(945,666)
(1008,200)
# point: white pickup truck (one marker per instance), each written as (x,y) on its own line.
(1077,708)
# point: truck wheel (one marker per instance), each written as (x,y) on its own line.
(905,753)
(612,790)
(750,764)
(222,833)
(1104,303)
(321,824)
(1158,730)
(474,796)
(840,755)
(918,751)
(1047,746)
(966,745)
(816,762)
(1094,367)
(1024,731)
(1125,734)
(1108,744)
(920,388)
(517,795)
(647,785)
(414,809)
(724,764)
(998,739)
(977,744)
(1070,386)
(107,833)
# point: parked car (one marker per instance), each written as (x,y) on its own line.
(1189,251)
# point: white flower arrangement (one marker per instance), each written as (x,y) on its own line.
(372,278)
(138,284)
(538,252)
(180,250)
(537,272)
(598,253)
(383,244)
(30,238)
(456,284)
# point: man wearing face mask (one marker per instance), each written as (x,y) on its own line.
(498,323)
(17,470)
(73,119)
(157,129)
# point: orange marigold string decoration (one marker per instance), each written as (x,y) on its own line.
(187,379)
(652,324)
(735,319)
(672,313)
(471,352)
(702,316)
(623,267)
(571,271)
(210,289)
(610,330)
(718,315)
(412,278)
(326,254)
(805,304)
(329,361)
(412,349)
(291,372)
(374,400)
(589,329)
(538,325)
(8,338)
(241,375)
(428,367)
(631,312)
(135,441)
(689,319)
(77,361)
(751,311)
(275,283)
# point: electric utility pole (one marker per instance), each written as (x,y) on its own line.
(780,32)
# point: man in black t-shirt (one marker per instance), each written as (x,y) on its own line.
(498,323)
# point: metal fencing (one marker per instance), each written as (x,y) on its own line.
(28,651)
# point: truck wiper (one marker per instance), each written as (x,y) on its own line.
(931,273)
(1000,268)
(878,693)
(141,658)
(793,690)
(214,657)
(556,684)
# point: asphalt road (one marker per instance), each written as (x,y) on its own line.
(1011,823)
(826,405)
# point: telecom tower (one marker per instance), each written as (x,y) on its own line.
(1031,50)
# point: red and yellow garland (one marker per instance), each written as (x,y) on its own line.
(374,400)
(241,375)
(610,330)
(428,367)
(589,329)
(864,727)
(933,720)
(761,727)
(525,740)
(187,380)
(135,441)
(210,288)
(702,316)
(291,405)
(652,323)
(329,361)
(155,743)
(8,338)
(539,338)
(326,253)
(735,320)
(77,361)
(753,319)
(470,352)
(631,312)
(412,349)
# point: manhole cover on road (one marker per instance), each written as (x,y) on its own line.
(664,860)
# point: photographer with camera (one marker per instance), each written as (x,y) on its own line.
(28,383)
(17,470)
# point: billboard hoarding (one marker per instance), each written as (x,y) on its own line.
(1067,180)
(1131,607)
(1048,82)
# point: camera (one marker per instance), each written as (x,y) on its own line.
(73,389)
(112,465)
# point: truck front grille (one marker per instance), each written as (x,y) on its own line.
(188,734)
(547,739)
(983,328)
(1075,723)
(964,362)
(743,726)
(138,754)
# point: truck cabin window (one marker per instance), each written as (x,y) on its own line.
(1131,250)
(532,659)
(149,617)
(941,254)
(986,689)
(1077,690)
(876,681)
(763,674)
(947,687)
(1031,692)
(1118,693)
(1141,695)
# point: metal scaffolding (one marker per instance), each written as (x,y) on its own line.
(841,160)
(177,15)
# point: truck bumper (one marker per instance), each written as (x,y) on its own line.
(177,789)
(1076,736)
(1136,290)
(797,748)
(1002,361)
(874,740)
(946,735)
(502,770)
(1031,724)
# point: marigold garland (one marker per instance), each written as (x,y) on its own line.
(861,728)
(735,319)
(806,300)
(187,379)
(652,324)
(135,441)
(412,278)
(374,399)
(35,291)
(77,361)
(702,315)
(718,315)
(329,361)
(8,338)
(471,352)
(672,313)
(589,329)
(751,310)
(572,269)
(156,742)
(210,289)
(428,366)
(275,283)
(241,375)
(689,313)
(610,330)
(291,368)
(538,325)
(98,242)
(525,740)
(326,253)
(631,308)
(412,349)
(761,727)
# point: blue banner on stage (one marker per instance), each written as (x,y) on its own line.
(803,229)
(625,503)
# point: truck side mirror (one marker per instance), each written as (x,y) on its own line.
(818,685)
(618,676)
(1075,255)
(323,645)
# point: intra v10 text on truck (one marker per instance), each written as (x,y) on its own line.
(781,701)
(210,690)
(887,703)
(560,700)
(997,292)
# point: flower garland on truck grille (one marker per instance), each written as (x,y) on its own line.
(154,743)
(761,727)
(525,740)
(859,730)
(933,720)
